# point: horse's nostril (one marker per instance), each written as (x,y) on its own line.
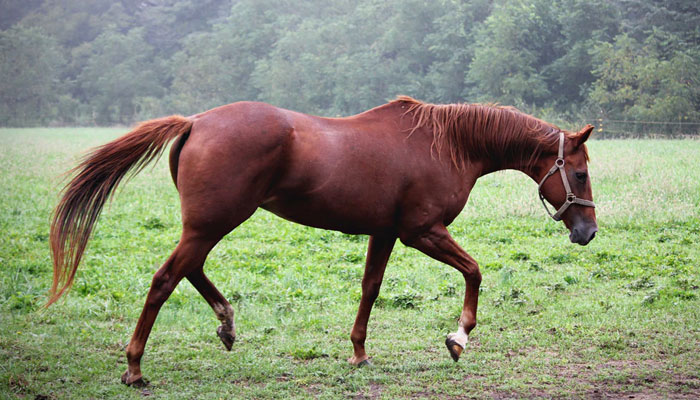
(592,235)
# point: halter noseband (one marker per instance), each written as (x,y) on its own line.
(570,196)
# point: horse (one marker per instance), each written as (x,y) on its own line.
(402,170)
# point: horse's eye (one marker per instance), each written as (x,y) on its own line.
(581,176)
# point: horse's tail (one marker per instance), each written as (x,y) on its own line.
(95,179)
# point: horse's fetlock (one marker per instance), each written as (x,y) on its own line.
(358,337)
(133,356)
(469,326)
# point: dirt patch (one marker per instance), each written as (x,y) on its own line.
(641,395)
(313,389)
(373,392)
(641,375)
(246,382)
(284,377)
(614,379)
(687,382)
(17,383)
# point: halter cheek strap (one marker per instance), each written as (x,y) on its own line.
(570,196)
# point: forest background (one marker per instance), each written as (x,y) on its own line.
(105,62)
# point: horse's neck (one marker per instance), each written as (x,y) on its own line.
(501,161)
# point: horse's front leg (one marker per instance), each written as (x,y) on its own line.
(377,256)
(222,308)
(438,244)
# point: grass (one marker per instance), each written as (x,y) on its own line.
(618,317)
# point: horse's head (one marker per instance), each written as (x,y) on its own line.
(564,183)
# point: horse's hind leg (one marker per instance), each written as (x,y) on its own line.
(188,256)
(207,217)
(222,176)
(222,308)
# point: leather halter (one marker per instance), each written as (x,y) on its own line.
(570,196)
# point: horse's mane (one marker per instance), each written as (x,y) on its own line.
(478,131)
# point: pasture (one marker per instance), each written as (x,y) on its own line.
(620,317)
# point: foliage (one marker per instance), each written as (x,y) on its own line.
(28,93)
(112,62)
(637,80)
(120,71)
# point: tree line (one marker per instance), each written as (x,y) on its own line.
(70,62)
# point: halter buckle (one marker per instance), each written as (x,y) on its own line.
(559,163)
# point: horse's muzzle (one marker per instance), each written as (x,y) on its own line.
(584,234)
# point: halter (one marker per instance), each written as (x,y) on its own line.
(570,196)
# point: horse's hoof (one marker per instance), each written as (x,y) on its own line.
(454,348)
(226,338)
(365,364)
(133,380)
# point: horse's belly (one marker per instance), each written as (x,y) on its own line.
(345,215)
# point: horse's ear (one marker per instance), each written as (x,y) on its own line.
(583,135)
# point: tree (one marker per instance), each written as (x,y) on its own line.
(513,46)
(350,57)
(13,11)
(680,18)
(536,52)
(120,72)
(215,68)
(70,22)
(451,44)
(30,66)
(635,81)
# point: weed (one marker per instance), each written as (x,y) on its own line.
(642,283)
(448,289)
(307,353)
(535,267)
(407,299)
(153,223)
(21,301)
(495,266)
(557,287)
(561,258)
(506,275)
(515,296)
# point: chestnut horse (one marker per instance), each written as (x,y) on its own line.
(402,170)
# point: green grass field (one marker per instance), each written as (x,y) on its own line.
(618,318)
